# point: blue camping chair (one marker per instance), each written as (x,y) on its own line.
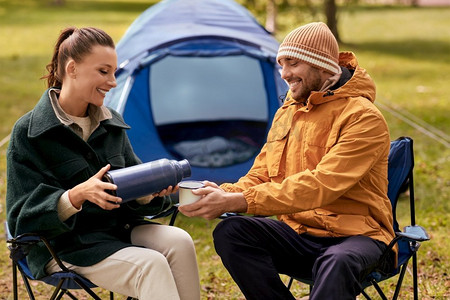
(63,281)
(400,175)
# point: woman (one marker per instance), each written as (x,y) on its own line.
(56,159)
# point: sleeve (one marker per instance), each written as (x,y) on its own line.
(362,142)
(256,175)
(30,199)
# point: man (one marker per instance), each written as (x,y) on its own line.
(322,172)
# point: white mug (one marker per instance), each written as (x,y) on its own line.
(185,195)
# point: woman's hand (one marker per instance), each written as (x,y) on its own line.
(94,190)
(146,199)
(166,192)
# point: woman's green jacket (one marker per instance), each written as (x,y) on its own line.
(44,159)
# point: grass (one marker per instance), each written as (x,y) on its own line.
(404,49)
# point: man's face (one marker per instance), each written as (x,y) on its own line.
(301,77)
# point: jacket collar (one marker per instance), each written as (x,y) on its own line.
(43,118)
(96,113)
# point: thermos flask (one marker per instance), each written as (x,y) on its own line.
(147,178)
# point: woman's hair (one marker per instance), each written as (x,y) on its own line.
(74,43)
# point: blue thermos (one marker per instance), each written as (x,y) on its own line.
(147,178)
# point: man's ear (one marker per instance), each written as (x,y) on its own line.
(71,69)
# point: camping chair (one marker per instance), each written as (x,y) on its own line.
(400,175)
(63,281)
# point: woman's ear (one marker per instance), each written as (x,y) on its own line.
(71,69)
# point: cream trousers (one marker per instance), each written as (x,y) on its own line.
(165,268)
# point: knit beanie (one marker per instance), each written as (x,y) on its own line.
(314,44)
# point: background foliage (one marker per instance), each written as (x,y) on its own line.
(404,48)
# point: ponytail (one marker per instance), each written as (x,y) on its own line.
(53,78)
(73,43)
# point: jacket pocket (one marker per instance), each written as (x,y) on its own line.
(317,144)
(116,161)
(69,173)
(276,142)
(346,224)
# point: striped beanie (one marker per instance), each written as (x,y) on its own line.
(314,44)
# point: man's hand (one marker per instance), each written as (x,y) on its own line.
(214,202)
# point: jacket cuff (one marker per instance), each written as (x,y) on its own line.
(251,204)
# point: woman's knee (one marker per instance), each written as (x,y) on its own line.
(180,239)
(154,236)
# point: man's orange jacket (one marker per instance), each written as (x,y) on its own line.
(323,169)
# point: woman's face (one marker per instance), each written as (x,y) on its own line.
(94,76)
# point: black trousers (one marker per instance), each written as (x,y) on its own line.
(256,250)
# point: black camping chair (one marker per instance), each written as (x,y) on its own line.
(172,211)
(63,281)
(400,175)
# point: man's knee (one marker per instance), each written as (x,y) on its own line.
(229,228)
(343,260)
(335,259)
(227,232)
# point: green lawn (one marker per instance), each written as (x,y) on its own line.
(406,50)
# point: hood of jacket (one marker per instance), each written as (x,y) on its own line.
(359,85)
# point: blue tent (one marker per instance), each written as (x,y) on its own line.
(197,79)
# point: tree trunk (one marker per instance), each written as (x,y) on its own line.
(271,16)
(331,15)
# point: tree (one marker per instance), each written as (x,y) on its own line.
(330,10)
(271,16)
(331,15)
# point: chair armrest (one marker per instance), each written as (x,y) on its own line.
(21,245)
(414,233)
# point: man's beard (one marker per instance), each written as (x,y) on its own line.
(315,84)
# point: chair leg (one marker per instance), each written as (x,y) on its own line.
(174,216)
(63,292)
(291,280)
(27,286)
(14,270)
(56,293)
(59,292)
(380,292)
(87,289)
(68,293)
(400,281)
(365,295)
